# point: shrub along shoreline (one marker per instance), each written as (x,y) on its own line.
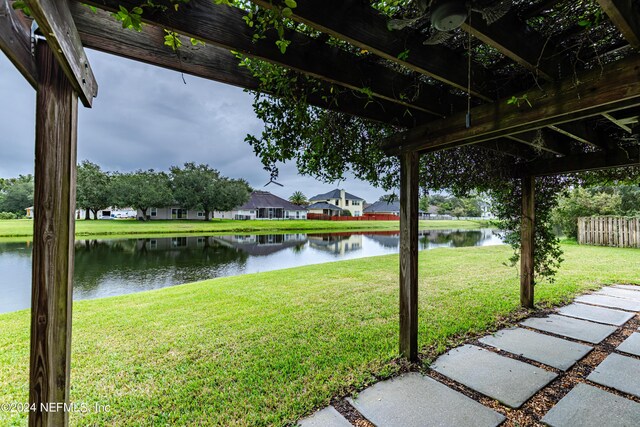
(269,348)
(24,228)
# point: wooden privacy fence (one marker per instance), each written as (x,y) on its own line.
(609,231)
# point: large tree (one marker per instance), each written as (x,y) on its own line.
(16,194)
(200,187)
(142,190)
(94,189)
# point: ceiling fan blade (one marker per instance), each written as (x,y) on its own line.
(438,37)
(401,24)
(495,11)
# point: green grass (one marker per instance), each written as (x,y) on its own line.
(24,227)
(269,348)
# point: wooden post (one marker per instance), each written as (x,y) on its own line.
(409,255)
(53,242)
(527,242)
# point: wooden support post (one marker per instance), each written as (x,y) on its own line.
(527,241)
(53,242)
(409,255)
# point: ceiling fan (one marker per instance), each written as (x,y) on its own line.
(272,181)
(444,16)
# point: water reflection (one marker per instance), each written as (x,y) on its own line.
(121,266)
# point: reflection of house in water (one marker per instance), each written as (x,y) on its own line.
(336,243)
(168,243)
(264,244)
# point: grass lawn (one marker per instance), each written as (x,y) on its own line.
(269,348)
(24,227)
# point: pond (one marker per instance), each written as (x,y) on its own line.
(121,266)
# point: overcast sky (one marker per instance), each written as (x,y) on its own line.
(145,117)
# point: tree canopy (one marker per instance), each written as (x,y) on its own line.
(198,186)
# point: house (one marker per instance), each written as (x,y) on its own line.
(261,205)
(382,207)
(172,212)
(324,208)
(342,200)
(108,213)
(264,205)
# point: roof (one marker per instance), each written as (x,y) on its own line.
(335,194)
(264,199)
(383,206)
(324,205)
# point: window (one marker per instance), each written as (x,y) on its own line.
(200,214)
(154,212)
(346,203)
(337,202)
(153,244)
(177,213)
(355,203)
(179,242)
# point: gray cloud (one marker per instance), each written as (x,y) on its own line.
(145,117)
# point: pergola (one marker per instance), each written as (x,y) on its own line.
(578,117)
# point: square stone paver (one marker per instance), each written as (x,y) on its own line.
(327,417)
(569,327)
(509,381)
(608,301)
(631,345)
(619,372)
(596,314)
(619,293)
(556,352)
(628,287)
(588,406)
(414,400)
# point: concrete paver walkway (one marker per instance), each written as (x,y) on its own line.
(556,352)
(505,370)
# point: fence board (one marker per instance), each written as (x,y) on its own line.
(609,231)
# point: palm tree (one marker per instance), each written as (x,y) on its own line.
(298,198)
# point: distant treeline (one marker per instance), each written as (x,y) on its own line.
(192,186)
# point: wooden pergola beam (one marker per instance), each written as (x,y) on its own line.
(527,242)
(53,241)
(409,195)
(55,22)
(543,140)
(101,32)
(223,26)
(359,24)
(15,41)
(580,131)
(615,87)
(514,39)
(582,162)
(510,147)
(625,15)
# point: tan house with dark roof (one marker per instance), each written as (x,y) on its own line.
(342,200)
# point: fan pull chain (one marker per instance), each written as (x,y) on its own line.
(469,75)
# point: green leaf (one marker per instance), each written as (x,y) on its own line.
(584,23)
(291,3)
(287,12)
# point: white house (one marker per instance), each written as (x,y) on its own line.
(261,205)
(341,199)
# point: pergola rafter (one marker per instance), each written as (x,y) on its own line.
(625,14)
(15,41)
(615,87)
(357,23)
(224,27)
(538,129)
